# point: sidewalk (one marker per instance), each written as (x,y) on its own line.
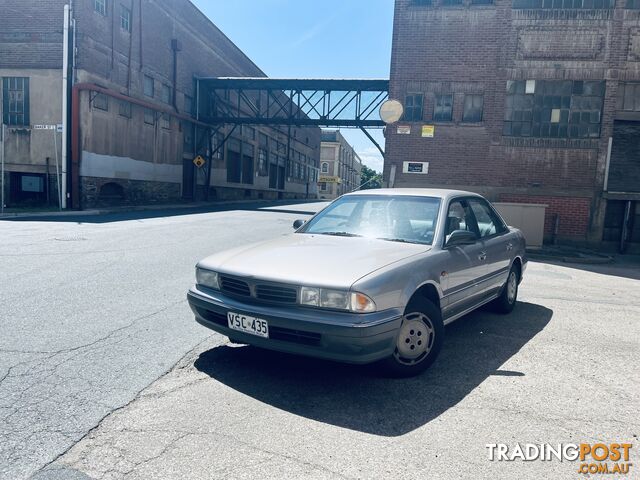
(154,207)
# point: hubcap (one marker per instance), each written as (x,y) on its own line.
(512,287)
(415,338)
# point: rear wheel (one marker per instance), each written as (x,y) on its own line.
(507,299)
(419,340)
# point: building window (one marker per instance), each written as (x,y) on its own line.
(481,2)
(125,18)
(473,105)
(248,132)
(125,109)
(449,3)
(101,102)
(262,162)
(166,94)
(149,86)
(100,6)
(564,4)
(633,3)
(15,101)
(149,116)
(554,109)
(421,3)
(443,108)
(188,105)
(631,97)
(325,167)
(165,121)
(413,107)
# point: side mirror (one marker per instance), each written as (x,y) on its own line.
(460,237)
(298,223)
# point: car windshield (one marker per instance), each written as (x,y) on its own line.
(393,218)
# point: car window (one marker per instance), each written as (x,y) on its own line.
(399,218)
(488,223)
(459,218)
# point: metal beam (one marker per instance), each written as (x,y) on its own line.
(293,102)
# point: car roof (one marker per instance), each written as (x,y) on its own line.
(416,192)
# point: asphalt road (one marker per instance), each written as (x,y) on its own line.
(94,313)
(93,310)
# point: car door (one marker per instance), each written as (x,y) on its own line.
(495,242)
(464,264)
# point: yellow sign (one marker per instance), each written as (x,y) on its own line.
(326,179)
(428,130)
(199,161)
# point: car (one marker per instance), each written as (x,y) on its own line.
(373,277)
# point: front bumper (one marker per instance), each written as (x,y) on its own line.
(341,336)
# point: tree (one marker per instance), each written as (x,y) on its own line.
(370,178)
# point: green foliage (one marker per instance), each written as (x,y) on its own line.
(370,178)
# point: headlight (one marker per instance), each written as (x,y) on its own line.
(207,278)
(336,299)
(310,296)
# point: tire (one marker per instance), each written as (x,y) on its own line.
(509,294)
(421,320)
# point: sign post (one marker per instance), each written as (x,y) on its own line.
(2,168)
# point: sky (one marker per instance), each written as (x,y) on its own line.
(313,39)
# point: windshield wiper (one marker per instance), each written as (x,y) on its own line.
(341,234)
(400,240)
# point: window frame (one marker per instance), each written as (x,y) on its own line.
(471,95)
(437,97)
(413,107)
(101,7)
(501,227)
(146,78)
(7,112)
(125,20)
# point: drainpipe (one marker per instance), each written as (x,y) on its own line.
(65,108)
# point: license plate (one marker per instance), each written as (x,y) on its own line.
(251,325)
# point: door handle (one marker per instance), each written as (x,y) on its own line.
(482,256)
(509,246)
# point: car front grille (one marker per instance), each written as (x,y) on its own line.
(235,286)
(272,293)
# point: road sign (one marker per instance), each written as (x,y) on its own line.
(44,127)
(199,161)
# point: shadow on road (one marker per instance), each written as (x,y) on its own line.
(300,207)
(355,397)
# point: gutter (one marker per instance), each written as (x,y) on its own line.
(76,147)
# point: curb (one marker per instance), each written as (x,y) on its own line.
(586,260)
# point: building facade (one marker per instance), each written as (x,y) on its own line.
(340,166)
(132,134)
(526,101)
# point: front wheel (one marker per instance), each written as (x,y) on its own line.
(419,340)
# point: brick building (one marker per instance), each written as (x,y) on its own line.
(132,136)
(529,101)
(340,166)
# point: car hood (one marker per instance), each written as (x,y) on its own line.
(315,260)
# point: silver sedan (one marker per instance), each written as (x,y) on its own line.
(373,277)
